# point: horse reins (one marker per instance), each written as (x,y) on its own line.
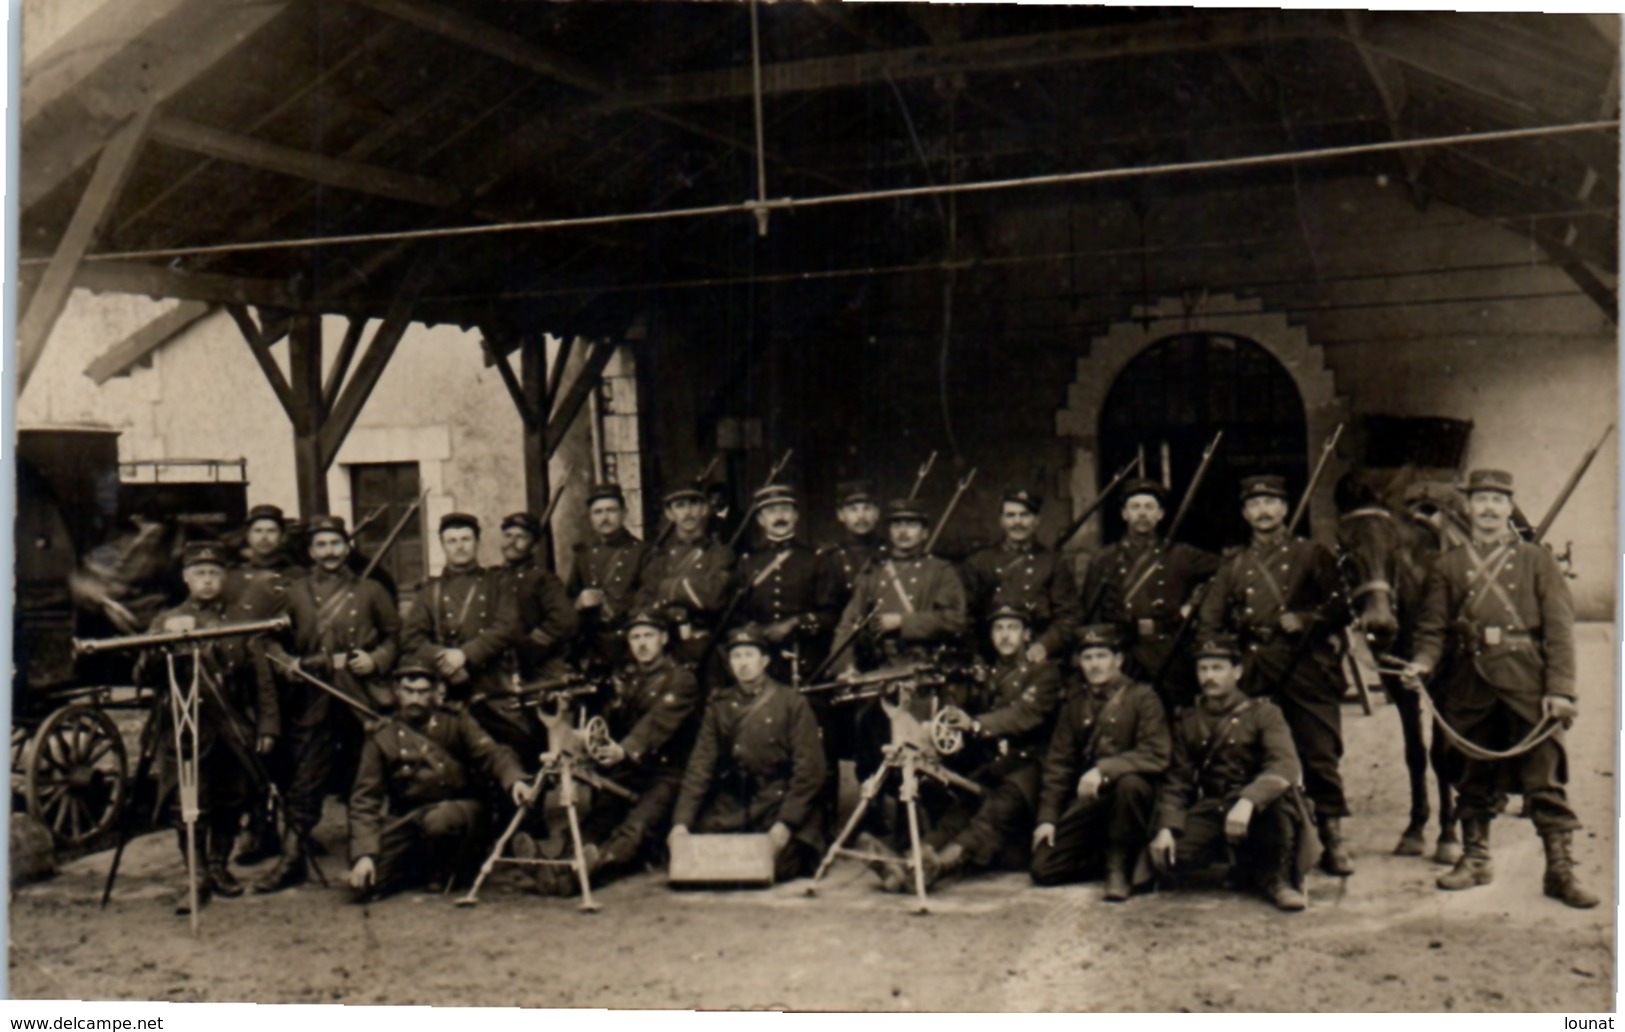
(1546,728)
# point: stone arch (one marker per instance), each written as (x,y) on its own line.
(1107,356)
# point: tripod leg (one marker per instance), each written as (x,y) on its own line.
(567,789)
(916,855)
(508,833)
(871,789)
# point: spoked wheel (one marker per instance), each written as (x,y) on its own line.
(75,770)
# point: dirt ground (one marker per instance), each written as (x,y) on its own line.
(1384,939)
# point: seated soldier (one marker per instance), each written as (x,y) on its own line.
(1233,783)
(758,764)
(1008,723)
(652,718)
(417,814)
(1111,746)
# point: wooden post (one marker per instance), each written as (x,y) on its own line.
(534,387)
(309,410)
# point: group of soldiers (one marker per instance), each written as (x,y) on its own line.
(1169,710)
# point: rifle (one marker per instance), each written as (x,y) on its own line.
(1568,488)
(738,599)
(851,638)
(919,478)
(947,513)
(1100,499)
(393,535)
(1314,478)
(367,520)
(553,503)
(705,474)
(750,510)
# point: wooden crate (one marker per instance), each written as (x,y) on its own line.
(722,860)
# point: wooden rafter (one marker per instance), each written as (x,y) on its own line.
(555,378)
(161,281)
(261,350)
(118,359)
(1388,79)
(497,354)
(341,362)
(347,406)
(586,381)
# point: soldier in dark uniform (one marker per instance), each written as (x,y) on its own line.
(689,575)
(778,588)
(653,717)
(1021,572)
(238,720)
(1006,721)
(1283,597)
(257,589)
(1232,784)
(858,509)
(345,631)
(547,618)
(607,574)
(757,765)
(1497,615)
(417,814)
(463,621)
(1101,771)
(1143,584)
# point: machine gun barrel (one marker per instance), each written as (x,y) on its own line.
(159,639)
(569,686)
(853,687)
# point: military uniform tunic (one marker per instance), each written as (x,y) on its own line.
(690,581)
(1121,729)
(474,609)
(781,580)
(1254,587)
(1029,577)
(257,589)
(1222,754)
(1141,585)
(415,788)
(1497,621)
(924,590)
(614,566)
(547,619)
(839,566)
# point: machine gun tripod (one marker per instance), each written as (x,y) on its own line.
(915,752)
(574,742)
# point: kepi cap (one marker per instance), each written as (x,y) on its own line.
(677,494)
(902,509)
(1218,646)
(648,617)
(1498,480)
(459,519)
(525,521)
(265,512)
(1010,612)
(328,525)
(1146,486)
(775,494)
(200,553)
(1100,636)
(853,492)
(1032,501)
(607,490)
(750,634)
(1269,485)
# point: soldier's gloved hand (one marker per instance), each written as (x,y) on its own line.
(1163,850)
(1044,835)
(523,792)
(363,875)
(1291,623)
(1236,821)
(265,744)
(1560,707)
(361,664)
(611,754)
(1089,784)
(888,622)
(450,662)
(1037,653)
(592,598)
(779,835)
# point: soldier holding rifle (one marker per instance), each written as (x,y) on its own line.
(688,576)
(608,572)
(1020,572)
(858,510)
(547,619)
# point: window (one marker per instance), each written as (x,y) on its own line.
(1426,442)
(387,490)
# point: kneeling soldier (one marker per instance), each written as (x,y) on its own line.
(1114,733)
(416,814)
(758,764)
(651,718)
(1007,735)
(1232,783)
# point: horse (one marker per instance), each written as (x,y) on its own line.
(1386,559)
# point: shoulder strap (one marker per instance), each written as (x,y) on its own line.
(1221,736)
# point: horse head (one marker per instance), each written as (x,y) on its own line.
(1369,543)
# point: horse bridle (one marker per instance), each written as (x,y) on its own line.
(1379,583)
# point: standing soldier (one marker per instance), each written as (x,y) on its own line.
(547,619)
(653,720)
(416,813)
(344,630)
(1109,751)
(1143,584)
(1007,721)
(235,687)
(858,509)
(688,577)
(908,602)
(778,588)
(462,622)
(1283,598)
(607,574)
(1020,572)
(1497,612)
(757,765)
(1231,785)
(257,589)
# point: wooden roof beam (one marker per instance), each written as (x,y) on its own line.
(161,281)
(316,168)
(1389,81)
(998,54)
(119,359)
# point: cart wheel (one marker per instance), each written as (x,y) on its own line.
(74,774)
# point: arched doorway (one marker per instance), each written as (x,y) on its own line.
(1174,396)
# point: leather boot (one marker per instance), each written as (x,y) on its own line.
(1118,887)
(205,886)
(1278,887)
(1560,882)
(221,879)
(1474,867)
(1334,858)
(289,870)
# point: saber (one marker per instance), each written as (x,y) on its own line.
(947,513)
(1196,482)
(1568,488)
(772,476)
(1309,489)
(98,646)
(1100,499)
(919,478)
